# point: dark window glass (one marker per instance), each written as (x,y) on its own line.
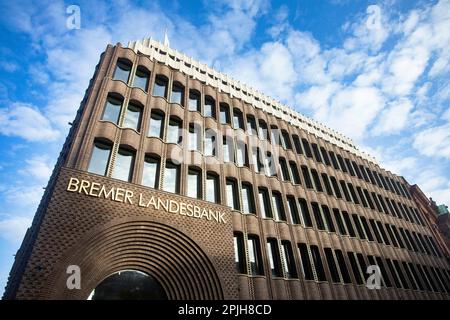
(264,203)
(122,71)
(386,279)
(344,189)
(239,253)
(328,219)
(340,223)
(177,95)
(213,188)
(297,144)
(318,263)
(111,111)
(195,101)
(383,234)
(394,274)
(284,170)
(238,119)
(141,78)
(306,177)
(278,207)
(210,107)
(334,161)
(305,212)
(327,184)
(305,262)
(356,168)
(285,140)
(355,267)
(361,196)
(256,160)
(325,157)
(289,266)
(263,132)
(348,224)
(293,210)
(252,130)
(349,167)
(410,276)
(369,199)
(397,237)
(274,257)
(343,266)
(318,216)
(294,172)
(316,152)
(150,175)
(254,255)
(332,265)
(336,189)
(248,201)
(316,180)
(341,163)
(358,226)
(194,183)
(100,158)
(307,148)
(232,194)
(225,117)
(366,228)
(375,230)
(210,142)
(353,193)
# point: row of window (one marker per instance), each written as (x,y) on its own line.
(238,153)
(281,263)
(260,128)
(270,204)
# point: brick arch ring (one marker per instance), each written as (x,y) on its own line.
(172,258)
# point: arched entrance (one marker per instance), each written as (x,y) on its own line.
(128,285)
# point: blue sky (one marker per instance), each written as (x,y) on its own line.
(377,71)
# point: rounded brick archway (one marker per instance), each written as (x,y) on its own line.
(163,252)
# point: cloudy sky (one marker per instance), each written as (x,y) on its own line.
(377,71)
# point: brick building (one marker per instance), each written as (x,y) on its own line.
(178,182)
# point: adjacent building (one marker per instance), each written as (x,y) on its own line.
(178,182)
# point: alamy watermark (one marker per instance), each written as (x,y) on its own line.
(73,21)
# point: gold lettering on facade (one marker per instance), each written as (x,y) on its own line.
(95,189)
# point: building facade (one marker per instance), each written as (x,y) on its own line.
(186,184)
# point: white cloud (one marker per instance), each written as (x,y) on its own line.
(13,229)
(38,167)
(394,118)
(25,121)
(434,141)
(9,66)
(23,196)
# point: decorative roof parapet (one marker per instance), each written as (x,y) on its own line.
(202,72)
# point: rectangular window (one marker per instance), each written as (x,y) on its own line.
(122,71)
(355,267)
(349,167)
(210,142)
(394,274)
(361,196)
(141,79)
(341,163)
(348,224)
(327,184)
(174,131)
(316,152)
(238,119)
(172,177)
(241,154)
(232,194)
(345,191)
(228,150)
(289,266)
(334,161)
(278,206)
(318,216)
(306,177)
(366,228)
(375,230)
(213,188)
(305,262)
(297,144)
(251,126)
(263,132)
(293,210)
(100,158)
(271,168)
(177,95)
(225,114)
(397,237)
(156,128)
(284,170)
(239,253)
(336,189)
(340,223)
(383,234)
(256,160)
(386,279)
(254,256)
(343,266)
(317,260)
(316,179)
(123,167)
(305,212)
(111,111)
(353,193)
(285,140)
(356,168)
(195,138)
(332,265)
(294,173)
(307,148)
(194,101)
(274,257)
(194,183)
(358,226)
(210,107)
(248,201)
(325,157)
(160,87)
(264,203)
(133,117)
(328,219)
(150,175)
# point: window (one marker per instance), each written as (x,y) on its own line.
(112,108)
(297,144)
(289,266)
(133,117)
(213,188)
(353,193)
(369,199)
(251,126)
(150,175)
(239,253)
(394,274)
(177,95)
(256,159)
(271,169)
(100,158)
(284,170)
(122,71)
(172,177)
(241,154)
(232,194)
(305,212)
(194,101)
(356,168)
(332,265)
(341,163)
(306,177)
(225,114)
(349,167)
(386,278)
(343,266)
(336,189)
(397,237)
(278,207)
(410,276)
(210,142)
(358,226)
(383,234)
(405,238)
(293,211)
(375,231)
(156,128)
(254,253)
(325,156)
(355,267)
(316,179)
(316,152)
(194,183)
(334,161)
(328,219)
(264,203)
(210,107)
(123,166)
(348,224)
(248,201)
(274,257)
(361,196)
(263,132)
(285,140)
(294,172)
(344,189)
(327,184)
(366,228)
(362,264)
(160,87)
(307,148)
(141,78)
(340,223)
(228,153)
(174,131)
(317,260)
(238,119)
(195,138)
(318,216)
(275,135)
(305,262)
